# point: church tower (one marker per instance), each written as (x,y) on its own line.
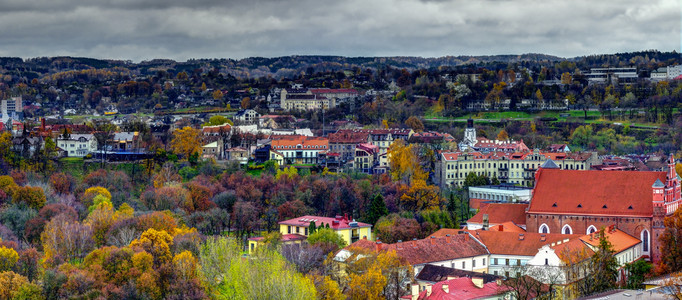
(469,136)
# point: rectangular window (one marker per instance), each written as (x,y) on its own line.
(289,229)
(484,262)
(506,261)
(464,265)
(494,261)
(297,229)
(306,231)
(473,263)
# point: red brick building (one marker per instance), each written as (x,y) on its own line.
(582,202)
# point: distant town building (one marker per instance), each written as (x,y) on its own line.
(612,75)
(247,116)
(12,109)
(77,145)
(479,196)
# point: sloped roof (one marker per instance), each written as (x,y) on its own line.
(619,240)
(573,251)
(501,213)
(463,289)
(625,193)
(343,223)
(549,164)
(429,250)
(435,273)
(512,243)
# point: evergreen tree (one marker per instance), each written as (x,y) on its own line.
(377,209)
(312,228)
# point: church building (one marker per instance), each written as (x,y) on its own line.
(582,202)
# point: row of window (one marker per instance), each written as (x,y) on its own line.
(504,166)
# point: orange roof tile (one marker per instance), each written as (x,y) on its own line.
(512,243)
(501,213)
(625,193)
(619,240)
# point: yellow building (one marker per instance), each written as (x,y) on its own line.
(295,231)
(350,230)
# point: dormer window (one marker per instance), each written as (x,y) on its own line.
(604,206)
(580,205)
(554,205)
(630,207)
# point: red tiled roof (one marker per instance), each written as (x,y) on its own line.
(429,250)
(343,223)
(501,212)
(462,289)
(217,128)
(511,243)
(619,240)
(290,142)
(573,251)
(625,193)
(348,137)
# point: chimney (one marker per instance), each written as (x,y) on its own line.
(485,221)
(446,288)
(433,240)
(414,288)
(521,236)
(428,290)
(345,217)
(500,227)
(379,245)
(543,237)
(477,281)
(447,238)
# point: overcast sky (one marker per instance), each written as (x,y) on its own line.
(182,29)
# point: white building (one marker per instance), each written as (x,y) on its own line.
(11,108)
(77,145)
(247,116)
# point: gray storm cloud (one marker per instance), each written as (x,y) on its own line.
(145,29)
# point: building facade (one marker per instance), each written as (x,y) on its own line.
(77,145)
(636,202)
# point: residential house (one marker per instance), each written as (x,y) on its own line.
(238,154)
(298,149)
(26,146)
(77,144)
(494,214)
(558,148)
(432,274)
(217,130)
(344,142)
(459,251)
(565,263)
(463,289)
(213,150)
(366,158)
(247,116)
(287,239)
(350,230)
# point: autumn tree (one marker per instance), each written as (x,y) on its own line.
(503,136)
(217,120)
(33,196)
(415,123)
(157,243)
(404,163)
(217,95)
(186,141)
(421,196)
(671,244)
(8,258)
(65,239)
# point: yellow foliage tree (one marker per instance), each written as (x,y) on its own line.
(368,285)
(327,289)
(217,95)
(421,196)
(404,163)
(502,136)
(7,185)
(186,141)
(8,258)
(90,193)
(157,243)
(10,283)
(186,265)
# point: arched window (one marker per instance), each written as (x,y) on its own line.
(591,229)
(544,228)
(645,240)
(566,229)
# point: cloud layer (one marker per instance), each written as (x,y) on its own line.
(146,29)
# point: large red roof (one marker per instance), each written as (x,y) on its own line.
(623,193)
(502,212)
